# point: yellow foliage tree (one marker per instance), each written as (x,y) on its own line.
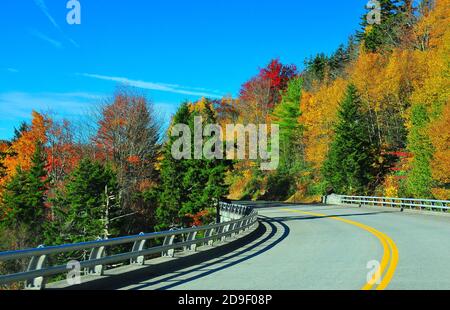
(319,113)
(439,133)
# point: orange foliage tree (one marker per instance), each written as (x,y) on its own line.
(20,152)
(62,153)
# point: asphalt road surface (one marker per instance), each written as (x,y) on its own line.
(327,247)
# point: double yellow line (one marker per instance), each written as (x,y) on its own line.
(384,273)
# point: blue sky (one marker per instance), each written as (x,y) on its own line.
(172,50)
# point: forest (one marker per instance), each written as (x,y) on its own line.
(372,118)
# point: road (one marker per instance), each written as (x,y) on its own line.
(325,247)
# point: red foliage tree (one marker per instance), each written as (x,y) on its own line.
(275,76)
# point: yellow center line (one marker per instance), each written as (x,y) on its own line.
(390,251)
(394,261)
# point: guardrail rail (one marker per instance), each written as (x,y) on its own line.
(406,203)
(235,219)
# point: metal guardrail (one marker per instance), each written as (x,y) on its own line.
(406,203)
(235,219)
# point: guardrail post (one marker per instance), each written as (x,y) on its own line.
(217,232)
(168,240)
(209,233)
(96,253)
(36,263)
(231,228)
(240,224)
(138,246)
(239,219)
(244,224)
(225,229)
(190,237)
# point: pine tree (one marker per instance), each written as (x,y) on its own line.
(286,115)
(25,197)
(3,153)
(348,166)
(80,209)
(420,179)
(317,66)
(189,186)
(204,179)
(18,132)
(385,34)
(172,192)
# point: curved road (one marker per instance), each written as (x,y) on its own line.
(326,247)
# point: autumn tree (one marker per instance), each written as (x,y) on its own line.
(396,66)
(262,93)
(319,112)
(63,154)
(227,110)
(128,137)
(21,151)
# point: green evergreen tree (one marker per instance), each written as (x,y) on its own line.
(172,193)
(18,132)
(349,164)
(25,197)
(316,67)
(420,179)
(204,179)
(2,158)
(287,115)
(387,33)
(81,210)
(189,186)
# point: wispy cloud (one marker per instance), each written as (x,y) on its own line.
(170,88)
(74,43)
(44,37)
(12,70)
(15,105)
(75,106)
(43,7)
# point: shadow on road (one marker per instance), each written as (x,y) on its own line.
(203,263)
(249,252)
